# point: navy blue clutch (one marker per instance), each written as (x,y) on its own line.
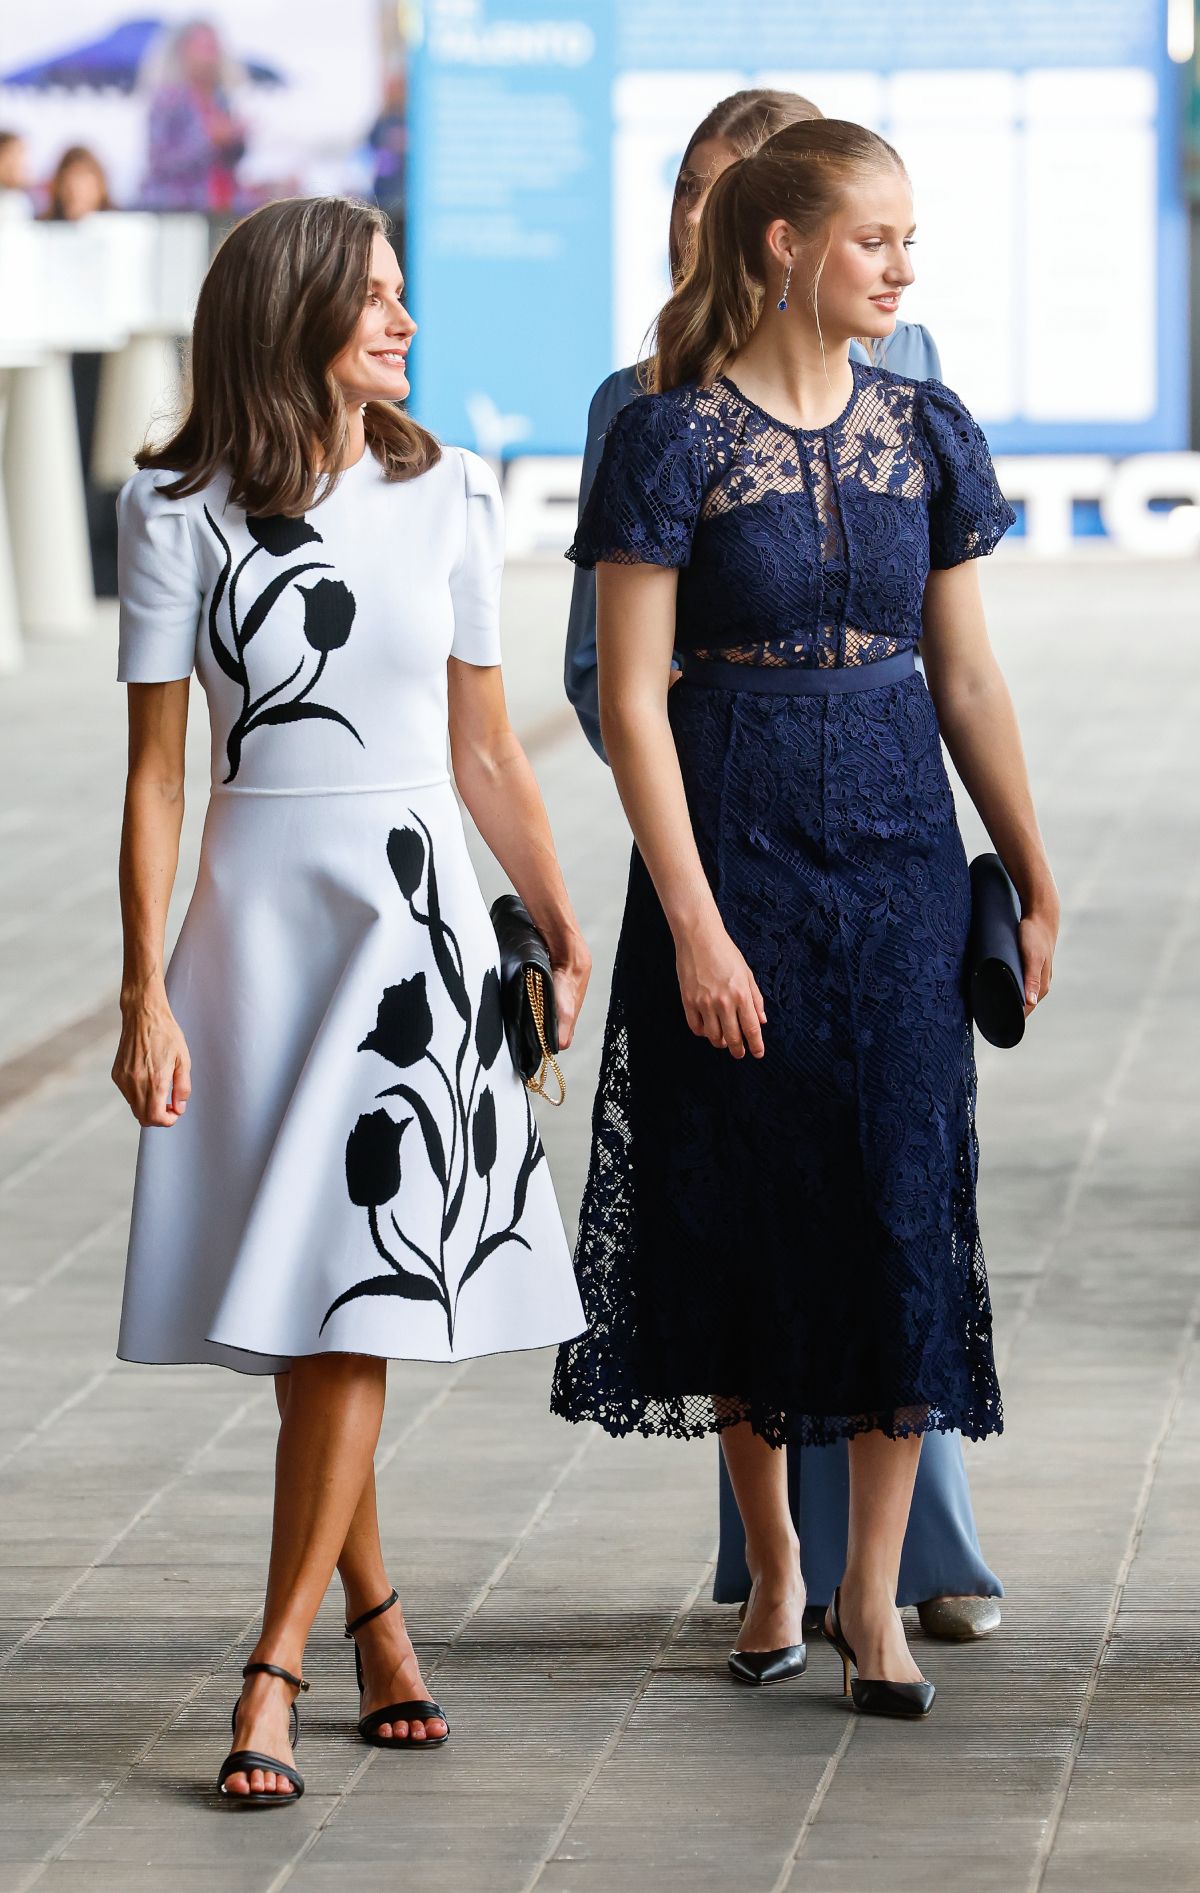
(995,977)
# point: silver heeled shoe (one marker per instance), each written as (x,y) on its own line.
(959,1619)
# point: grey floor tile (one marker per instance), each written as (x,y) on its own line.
(94,1876)
(551,1624)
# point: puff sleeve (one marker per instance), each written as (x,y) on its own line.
(475,580)
(646,496)
(580,674)
(968,514)
(157,582)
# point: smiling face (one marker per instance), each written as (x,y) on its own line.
(371,367)
(868,266)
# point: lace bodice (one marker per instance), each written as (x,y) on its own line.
(802,546)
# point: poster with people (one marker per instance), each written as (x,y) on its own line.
(214,111)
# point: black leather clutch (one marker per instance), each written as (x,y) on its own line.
(995,977)
(527,995)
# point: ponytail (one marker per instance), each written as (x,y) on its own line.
(715,309)
(800,175)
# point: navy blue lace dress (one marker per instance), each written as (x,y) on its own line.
(793,1241)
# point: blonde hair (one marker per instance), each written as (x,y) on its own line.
(799,174)
(282,298)
(744,120)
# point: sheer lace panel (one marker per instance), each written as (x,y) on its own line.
(795,546)
(601,1376)
(798,460)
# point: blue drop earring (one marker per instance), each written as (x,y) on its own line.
(787,283)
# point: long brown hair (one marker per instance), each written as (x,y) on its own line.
(744,120)
(282,298)
(799,174)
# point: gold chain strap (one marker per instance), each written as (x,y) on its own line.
(537,1002)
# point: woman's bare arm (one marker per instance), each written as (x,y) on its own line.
(498,785)
(635,618)
(152,1069)
(979,727)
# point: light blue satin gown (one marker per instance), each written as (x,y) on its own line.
(941,1548)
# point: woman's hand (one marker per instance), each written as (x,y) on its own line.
(1036,938)
(571,974)
(720,994)
(152,1069)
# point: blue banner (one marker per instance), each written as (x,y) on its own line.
(1042,137)
(509,215)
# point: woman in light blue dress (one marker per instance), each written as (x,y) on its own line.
(943,1571)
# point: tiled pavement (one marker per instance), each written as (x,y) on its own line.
(558,1580)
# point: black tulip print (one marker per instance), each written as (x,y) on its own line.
(406,858)
(404,1024)
(280,535)
(461,1136)
(373,1178)
(483,1134)
(489,1020)
(373,1159)
(328,615)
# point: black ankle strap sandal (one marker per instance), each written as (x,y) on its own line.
(419,1710)
(243,1761)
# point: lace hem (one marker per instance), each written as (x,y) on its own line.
(595,1376)
(695,1416)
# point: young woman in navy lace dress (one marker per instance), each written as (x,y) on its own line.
(785,1244)
(942,1568)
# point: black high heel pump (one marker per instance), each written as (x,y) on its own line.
(244,1760)
(416,1711)
(875,1697)
(760,1667)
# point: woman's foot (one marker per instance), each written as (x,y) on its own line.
(872,1626)
(392,1673)
(774,1618)
(263,1723)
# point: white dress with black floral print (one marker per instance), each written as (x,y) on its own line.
(358,1168)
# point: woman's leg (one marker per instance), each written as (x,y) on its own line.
(758,1474)
(882,1473)
(360,1562)
(390,1665)
(327,1441)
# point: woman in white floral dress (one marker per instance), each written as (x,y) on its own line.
(339,1162)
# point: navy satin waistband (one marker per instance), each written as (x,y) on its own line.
(793,680)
